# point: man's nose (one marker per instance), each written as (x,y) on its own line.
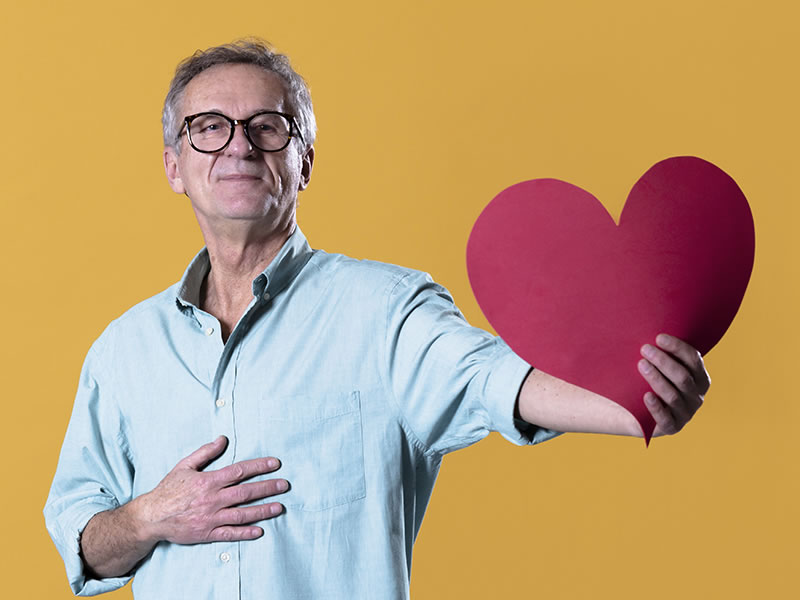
(240,145)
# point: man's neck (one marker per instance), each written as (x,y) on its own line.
(235,263)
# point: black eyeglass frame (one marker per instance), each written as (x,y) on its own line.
(293,128)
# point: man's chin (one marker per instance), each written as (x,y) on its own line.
(269,215)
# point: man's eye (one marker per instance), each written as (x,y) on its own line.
(207,126)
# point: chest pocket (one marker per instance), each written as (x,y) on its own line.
(319,443)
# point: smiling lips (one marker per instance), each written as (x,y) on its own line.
(240,177)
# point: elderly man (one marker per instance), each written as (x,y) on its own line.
(351,379)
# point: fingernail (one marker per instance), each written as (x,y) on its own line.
(644,366)
(648,350)
(272,463)
(275,509)
(282,485)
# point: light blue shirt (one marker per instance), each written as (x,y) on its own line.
(359,376)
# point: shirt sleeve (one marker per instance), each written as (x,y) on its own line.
(94,473)
(453,383)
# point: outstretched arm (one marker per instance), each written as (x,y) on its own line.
(188,506)
(677,378)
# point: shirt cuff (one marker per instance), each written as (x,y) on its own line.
(507,377)
(68,544)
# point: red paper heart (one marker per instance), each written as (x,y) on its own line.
(577,296)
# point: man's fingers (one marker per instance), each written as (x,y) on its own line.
(205,454)
(665,421)
(228,533)
(675,371)
(687,355)
(245,515)
(674,400)
(248,492)
(245,470)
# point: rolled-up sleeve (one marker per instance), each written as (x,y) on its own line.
(453,383)
(94,473)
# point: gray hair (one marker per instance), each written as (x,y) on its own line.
(250,51)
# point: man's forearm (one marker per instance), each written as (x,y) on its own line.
(114,542)
(552,403)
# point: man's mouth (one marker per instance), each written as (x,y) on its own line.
(239,177)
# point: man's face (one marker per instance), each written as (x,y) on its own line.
(239,183)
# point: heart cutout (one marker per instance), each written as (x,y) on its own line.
(576,295)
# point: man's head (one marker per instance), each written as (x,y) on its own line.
(241,172)
(252,52)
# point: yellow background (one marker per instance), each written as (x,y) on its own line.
(426,111)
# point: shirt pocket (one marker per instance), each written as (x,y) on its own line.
(319,443)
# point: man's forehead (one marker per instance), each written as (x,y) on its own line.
(235,85)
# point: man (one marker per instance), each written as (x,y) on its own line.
(353,378)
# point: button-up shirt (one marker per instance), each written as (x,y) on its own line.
(359,376)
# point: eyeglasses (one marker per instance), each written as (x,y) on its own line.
(269,131)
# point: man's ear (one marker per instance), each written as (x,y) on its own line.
(305,172)
(172,170)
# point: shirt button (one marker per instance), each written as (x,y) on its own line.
(209,330)
(220,402)
(225,557)
(266,296)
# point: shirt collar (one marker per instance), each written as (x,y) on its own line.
(291,258)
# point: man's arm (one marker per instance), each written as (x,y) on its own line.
(188,506)
(674,370)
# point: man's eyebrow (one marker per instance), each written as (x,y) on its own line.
(258,110)
(213,109)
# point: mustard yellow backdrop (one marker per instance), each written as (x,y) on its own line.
(426,110)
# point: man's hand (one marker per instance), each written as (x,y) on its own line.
(188,506)
(679,380)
